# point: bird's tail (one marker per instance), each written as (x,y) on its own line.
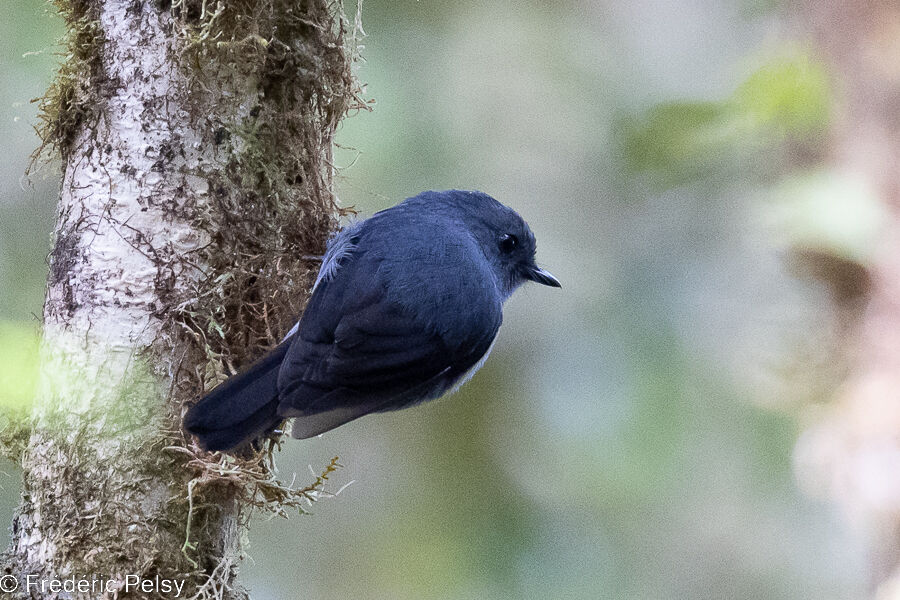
(240,410)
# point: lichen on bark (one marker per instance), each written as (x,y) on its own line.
(196,144)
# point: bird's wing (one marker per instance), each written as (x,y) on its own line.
(348,404)
(357,353)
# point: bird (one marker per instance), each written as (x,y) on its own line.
(405,308)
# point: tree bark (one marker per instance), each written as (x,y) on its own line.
(196,140)
(851,450)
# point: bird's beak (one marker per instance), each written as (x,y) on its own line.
(541,276)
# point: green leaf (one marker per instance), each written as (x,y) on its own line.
(678,139)
(790,95)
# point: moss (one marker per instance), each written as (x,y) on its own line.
(14,435)
(71,99)
(272,203)
(269,209)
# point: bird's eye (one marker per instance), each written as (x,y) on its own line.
(508,243)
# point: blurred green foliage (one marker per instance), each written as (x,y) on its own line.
(786,98)
(789,95)
(681,141)
(19,360)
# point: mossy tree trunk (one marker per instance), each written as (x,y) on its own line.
(851,452)
(196,140)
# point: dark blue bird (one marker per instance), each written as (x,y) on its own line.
(406,307)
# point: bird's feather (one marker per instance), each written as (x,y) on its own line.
(360,348)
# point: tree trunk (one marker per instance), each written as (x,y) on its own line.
(196,140)
(852,451)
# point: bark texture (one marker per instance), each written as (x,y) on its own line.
(852,452)
(196,141)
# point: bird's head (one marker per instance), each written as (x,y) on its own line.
(504,237)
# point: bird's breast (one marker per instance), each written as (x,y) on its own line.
(474,369)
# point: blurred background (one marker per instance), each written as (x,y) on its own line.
(634,434)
